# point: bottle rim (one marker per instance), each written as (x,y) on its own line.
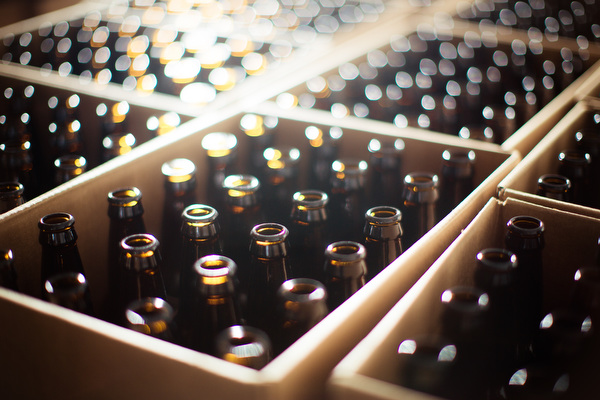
(311,198)
(302,290)
(269,233)
(421,181)
(244,345)
(12,189)
(200,214)
(179,170)
(346,251)
(383,215)
(139,243)
(149,315)
(500,260)
(126,197)
(71,284)
(55,222)
(526,225)
(215,269)
(554,182)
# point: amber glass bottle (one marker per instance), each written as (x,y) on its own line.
(345,271)
(419,213)
(280,181)
(576,165)
(221,149)
(151,316)
(456,179)
(180,191)
(70,290)
(244,345)
(216,305)
(309,233)
(69,166)
(383,238)
(140,274)
(385,162)
(58,239)
(301,304)
(554,186)
(8,273)
(269,268)
(11,196)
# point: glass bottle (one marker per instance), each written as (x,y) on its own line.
(8,273)
(244,345)
(140,270)
(16,165)
(420,203)
(151,316)
(180,191)
(68,167)
(269,268)
(260,132)
(58,239)
(221,149)
(554,186)
(456,179)
(11,196)
(309,233)
(383,238)
(216,306)
(201,236)
(525,238)
(71,290)
(301,304)
(324,150)
(575,165)
(348,198)
(280,181)
(242,210)
(385,181)
(588,141)
(537,380)
(585,292)
(126,217)
(116,144)
(345,271)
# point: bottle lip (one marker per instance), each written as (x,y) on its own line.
(71,162)
(244,345)
(501,260)
(302,290)
(241,183)
(575,156)
(466,299)
(72,284)
(200,214)
(219,144)
(149,315)
(526,225)
(459,157)
(139,243)
(346,251)
(554,182)
(178,171)
(215,270)
(269,232)
(311,198)
(383,215)
(12,189)
(56,222)
(125,197)
(421,181)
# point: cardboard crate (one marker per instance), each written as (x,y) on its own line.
(83,357)
(521,183)
(370,369)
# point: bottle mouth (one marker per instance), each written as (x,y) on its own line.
(71,284)
(13,189)
(302,290)
(466,299)
(310,199)
(150,315)
(420,181)
(554,182)
(140,244)
(241,185)
(575,157)
(179,171)
(383,215)
(346,251)
(56,222)
(216,271)
(525,225)
(200,214)
(497,259)
(244,345)
(219,144)
(128,197)
(269,233)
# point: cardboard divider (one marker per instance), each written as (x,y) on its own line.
(543,159)
(371,370)
(298,373)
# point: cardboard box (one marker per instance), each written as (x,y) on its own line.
(521,183)
(69,353)
(370,369)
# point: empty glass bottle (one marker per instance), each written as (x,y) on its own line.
(309,233)
(244,345)
(301,304)
(221,149)
(554,186)
(11,196)
(383,238)
(280,181)
(58,239)
(345,271)
(68,167)
(71,290)
(575,165)
(140,270)
(385,181)
(151,316)
(180,191)
(456,179)
(420,205)
(8,273)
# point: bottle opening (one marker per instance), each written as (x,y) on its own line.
(67,283)
(200,212)
(56,221)
(383,215)
(498,259)
(125,196)
(526,225)
(269,232)
(11,188)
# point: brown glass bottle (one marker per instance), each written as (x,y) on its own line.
(585,294)
(345,271)
(151,316)
(385,176)
(301,304)
(221,149)
(309,233)
(126,214)
(58,239)
(11,196)
(201,236)
(8,273)
(269,268)
(456,179)
(525,238)
(554,186)
(180,191)
(420,205)
(70,290)
(68,167)
(324,150)
(16,165)
(244,345)
(216,305)
(348,198)
(576,165)
(281,171)
(383,238)
(140,270)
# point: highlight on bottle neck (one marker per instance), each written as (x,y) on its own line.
(57,229)
(200,221)
(244,345)
(66,287)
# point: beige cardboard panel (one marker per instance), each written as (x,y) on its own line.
(570,243)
